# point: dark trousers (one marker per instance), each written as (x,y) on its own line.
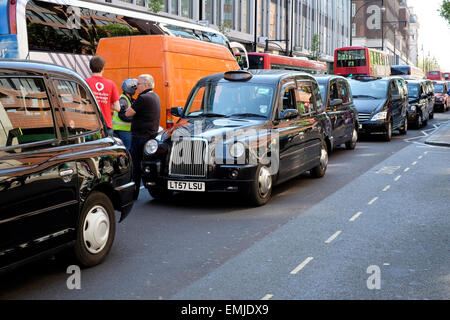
(137,152)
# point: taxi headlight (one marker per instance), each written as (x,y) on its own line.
(151,146)
(379,116)
(413,108)
(237,150)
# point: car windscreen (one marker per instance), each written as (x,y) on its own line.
(438,87)
(413,90)
(228,99)
(376,89)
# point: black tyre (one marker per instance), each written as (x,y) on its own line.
(351,144)
(261,188)
(419,121)
(321,168)
(96,230)
(388,134)
(404,129)
(160,194)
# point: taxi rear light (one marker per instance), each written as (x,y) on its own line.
(169,119)
(239,75)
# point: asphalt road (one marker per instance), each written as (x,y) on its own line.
(379,218)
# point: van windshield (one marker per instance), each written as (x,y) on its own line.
(230,99)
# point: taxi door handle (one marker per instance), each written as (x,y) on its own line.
(66,173)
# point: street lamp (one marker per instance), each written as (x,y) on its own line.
(352,17)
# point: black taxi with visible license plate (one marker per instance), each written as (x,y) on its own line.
(241,132)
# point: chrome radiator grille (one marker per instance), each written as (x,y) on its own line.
(363,117)
(189,158)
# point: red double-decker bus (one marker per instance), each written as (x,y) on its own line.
(446,76)
(435,75)
(361,61)
(272,61)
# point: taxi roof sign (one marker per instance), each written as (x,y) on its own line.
(238,75)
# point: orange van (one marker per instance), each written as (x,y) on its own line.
(175,63)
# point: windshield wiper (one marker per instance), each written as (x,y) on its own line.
(209,114)
(364,96)
(248,114)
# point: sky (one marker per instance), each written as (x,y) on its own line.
(434,32)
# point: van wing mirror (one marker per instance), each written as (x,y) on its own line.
(176,111)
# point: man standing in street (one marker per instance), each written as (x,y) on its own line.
(146,111)
(121,123)
(105,91)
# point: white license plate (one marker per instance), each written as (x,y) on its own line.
(186,186)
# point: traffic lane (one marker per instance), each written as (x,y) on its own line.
(331,251)
(163,246)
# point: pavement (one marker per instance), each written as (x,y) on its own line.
(441,137)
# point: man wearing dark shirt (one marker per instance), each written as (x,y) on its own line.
(146,111)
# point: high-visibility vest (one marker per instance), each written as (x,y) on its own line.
(119,124)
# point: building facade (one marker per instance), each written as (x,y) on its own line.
(290,25)
(383,25)
(414,38)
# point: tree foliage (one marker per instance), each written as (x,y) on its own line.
(444,11)
(315,47)
(155,6)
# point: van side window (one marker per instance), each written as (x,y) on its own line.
(25,112)
(77,109)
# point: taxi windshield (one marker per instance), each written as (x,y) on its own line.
(231,99)
(413,90)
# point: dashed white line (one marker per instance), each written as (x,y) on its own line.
(414,163)
(420,157)
(387,188)
(267,297)
(356,216)
(406,170)
(397,178)
(301,265)
(334,236)
(372,201)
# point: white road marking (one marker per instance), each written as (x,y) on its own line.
(372,201)
(386,264)
(334,236)
(426,134)
(388,170)
(420,157)
(301,265)
(267,297)
(397,178)
(414,163)
(406,170)
(142,187)
(387,188)
(355,216)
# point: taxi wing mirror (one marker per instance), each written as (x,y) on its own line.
(176,111)
(288,114)
(335,102)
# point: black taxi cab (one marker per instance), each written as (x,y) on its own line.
(61,176)
(241,132)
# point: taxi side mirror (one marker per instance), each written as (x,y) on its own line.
(335,102)
(176,111)
(288,114)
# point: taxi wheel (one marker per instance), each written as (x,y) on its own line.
(404,129)
(388,134)
(351,144)
(96,230)
(261,188)
(160,194)
(319,171)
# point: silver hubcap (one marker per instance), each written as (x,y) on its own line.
(96,229)
(323,157)
(264,181)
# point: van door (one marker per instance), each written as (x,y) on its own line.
(395,105)
(37,190)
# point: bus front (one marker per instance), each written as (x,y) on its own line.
(8,30)
(351,61)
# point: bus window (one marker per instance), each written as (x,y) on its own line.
(351,58)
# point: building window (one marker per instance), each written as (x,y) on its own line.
(245,16)
(228,13)
(186,8)
(272,19)
(209,13)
